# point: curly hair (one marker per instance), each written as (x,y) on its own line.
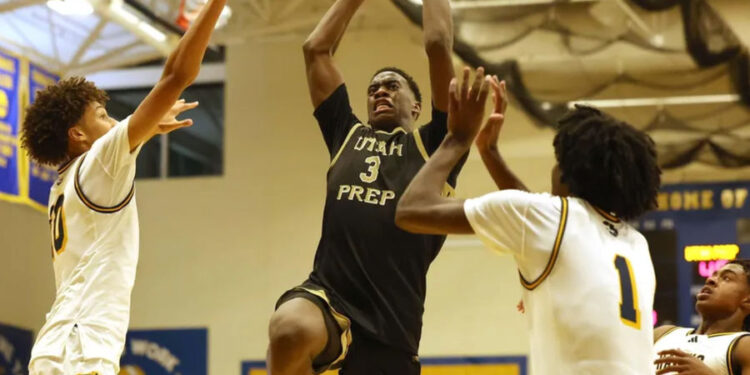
(409,79)
(745,263)
(607,162)
(55,110)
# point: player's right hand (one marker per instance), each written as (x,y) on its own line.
(170,122)
(487,138)
(466,108)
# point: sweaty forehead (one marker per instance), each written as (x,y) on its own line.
(736,268)
(387,76)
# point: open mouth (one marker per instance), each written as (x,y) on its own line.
(383,106)
(704,293)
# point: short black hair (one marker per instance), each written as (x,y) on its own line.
(409,79)
(745,263)
(607,162)
(56,109)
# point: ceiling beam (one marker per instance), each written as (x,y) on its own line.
(13,5)
(115,11)
(87,43)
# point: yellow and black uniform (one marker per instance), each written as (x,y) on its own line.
(370,270)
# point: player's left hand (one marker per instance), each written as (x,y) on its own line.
(678,362)
(487,138)
(466,108)
(170,122)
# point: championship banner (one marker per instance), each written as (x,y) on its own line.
(15,350)
(515,365)
(165,352)
(10,104)
(40,177)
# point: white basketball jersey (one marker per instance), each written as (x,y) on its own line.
(588,281)
(94,227)
(714,350)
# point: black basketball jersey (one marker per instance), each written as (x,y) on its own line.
(374,271)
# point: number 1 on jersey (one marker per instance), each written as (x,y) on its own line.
(57,226)
(629,313)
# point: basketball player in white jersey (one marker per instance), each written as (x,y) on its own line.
(721,343)
(587,277)
(93,215)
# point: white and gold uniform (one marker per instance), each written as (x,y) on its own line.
(714,350)
(587,277)
(94,225)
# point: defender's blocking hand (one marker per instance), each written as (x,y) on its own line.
(467,103)
(170,122)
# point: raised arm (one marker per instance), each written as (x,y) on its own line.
(322,75)
(422,208)
(181,69)
(487,143)
(438,41)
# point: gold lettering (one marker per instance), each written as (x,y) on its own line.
(356,192)
(662,201)
(6,81)
(691,200)
(675,201)
(41,79)
(740,195)
(396,147)
(388,194)
(6,150)
(727,198)
(343,189)
(7,65)
(381,148)
(370,196)
(707,199)
(359,145)
(3,162)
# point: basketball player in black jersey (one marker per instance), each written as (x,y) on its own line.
(361,307)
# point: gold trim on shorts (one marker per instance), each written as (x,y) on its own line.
(344,323)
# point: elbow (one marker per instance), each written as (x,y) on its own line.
(404,216)
(438,43)
(313,47)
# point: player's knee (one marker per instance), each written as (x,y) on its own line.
(288,333)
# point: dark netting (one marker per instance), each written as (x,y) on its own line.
(710,43)
(656,5)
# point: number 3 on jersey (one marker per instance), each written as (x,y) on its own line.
(372,172)
(57,226)
(629,313)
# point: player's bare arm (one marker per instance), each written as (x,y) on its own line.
(422,208)
(323,77)
(487,143)
(438,43)
(181,69)
(742,355)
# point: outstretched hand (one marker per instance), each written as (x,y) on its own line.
(676,361)
(487,138)
(170,123)
(466,108)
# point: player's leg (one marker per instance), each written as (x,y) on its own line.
(371,357)
(297,334)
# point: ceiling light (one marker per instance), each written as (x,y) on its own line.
(71,7)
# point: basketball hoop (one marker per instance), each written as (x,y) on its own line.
(190,9)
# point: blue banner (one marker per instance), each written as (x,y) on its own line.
(40,177)
(166,352)
(10,105)
(515,365)
(15,350)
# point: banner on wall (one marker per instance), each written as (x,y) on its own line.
(165,352)
(15,350)
(438,366)
(10,104)
(40,177)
